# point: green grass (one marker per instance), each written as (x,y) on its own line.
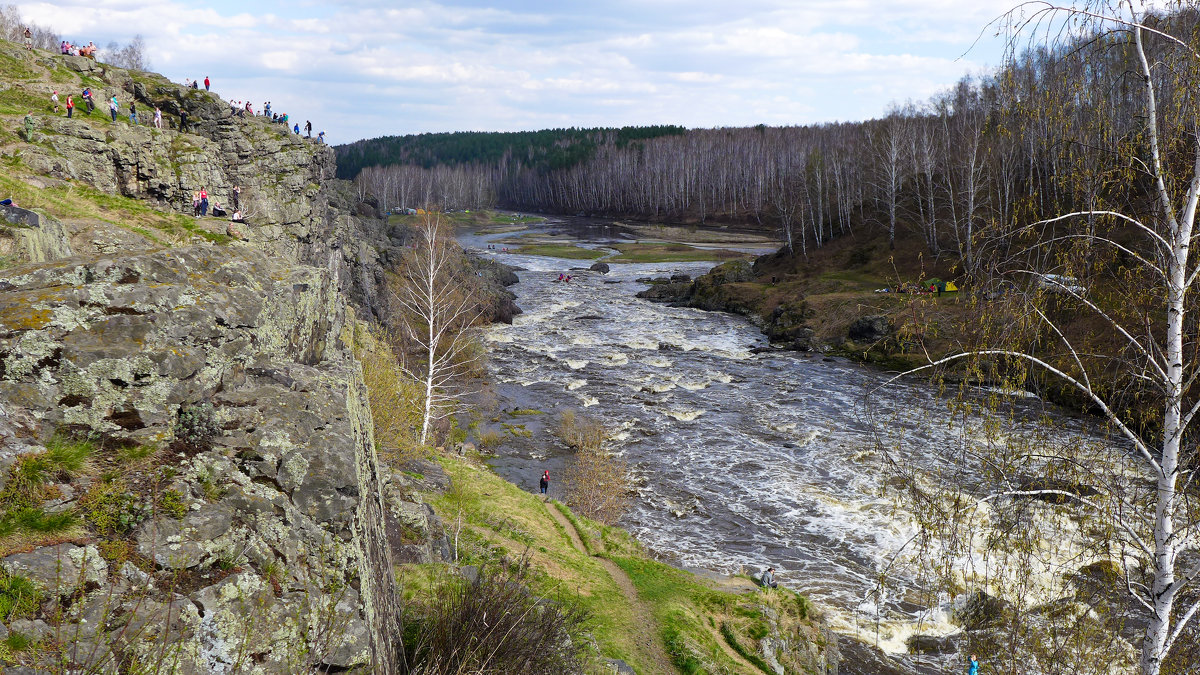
(36,522)
(567,251)
(19,597)
(662,252)
(747,654)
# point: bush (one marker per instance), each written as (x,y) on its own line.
(494,625)
(581,433)
(111,510)
(394,396)
(596,481)
(196,426)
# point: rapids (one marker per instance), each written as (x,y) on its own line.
(742,459)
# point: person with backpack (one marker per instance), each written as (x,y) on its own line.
(87,98)
(133,114)
(28,39)
(544,482)
(113,106)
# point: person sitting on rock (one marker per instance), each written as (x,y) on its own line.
(237,217)
(767,580)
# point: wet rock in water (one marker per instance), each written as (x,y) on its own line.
(666,292)
(930,644)
(654,280)
(590,317)
(869,328)
(612,281)
(599,267)
(981,611)
(678,277)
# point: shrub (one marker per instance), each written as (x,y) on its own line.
(494,625)
(581,433)
(596,481)
(197,426)
(109,509)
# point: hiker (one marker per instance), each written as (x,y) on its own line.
(218,212)
(767,580)
(54,100)
(29,126)
(267,110)
(308,128)
(28,39)
(544,483)
(182,120)
(157,118)
(206,83)
(196,204)
(237,217)
(133,114)
(203,202)
(87,98)
(70,106)
(974,665)
(237,197)
(296,128)
(321,137)
(113,106)
(195,84)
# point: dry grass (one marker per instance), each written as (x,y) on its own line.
(394,397)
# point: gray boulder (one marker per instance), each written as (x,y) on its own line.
(869,328)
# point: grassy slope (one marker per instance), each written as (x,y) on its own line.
(499,518)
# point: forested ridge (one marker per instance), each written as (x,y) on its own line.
(1045,135)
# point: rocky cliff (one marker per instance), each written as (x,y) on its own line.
(187,463)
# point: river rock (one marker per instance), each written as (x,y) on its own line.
(679,277)
(599,267)
(869,328)
(666,292)
(980,611)
(930,644)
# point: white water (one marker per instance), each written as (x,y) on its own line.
(742,459)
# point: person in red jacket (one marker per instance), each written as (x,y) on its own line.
(206,83)
(70,105)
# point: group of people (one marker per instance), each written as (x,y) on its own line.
(114,108)
(68,49)
(200,204)
(565,278)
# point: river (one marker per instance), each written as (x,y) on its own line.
(742,459)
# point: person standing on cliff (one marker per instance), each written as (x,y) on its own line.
(182,120)
(206,83)
(113,106)
(28,39)
(54,100)
(133,114)
(308,128)
(70,106)
(203,202)
(237,198)
(544,483)
(157,118)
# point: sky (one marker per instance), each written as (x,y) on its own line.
(366,68)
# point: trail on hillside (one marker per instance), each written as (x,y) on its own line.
(648,643)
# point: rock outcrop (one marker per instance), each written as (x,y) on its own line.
(231,512)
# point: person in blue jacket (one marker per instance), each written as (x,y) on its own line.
(974,669)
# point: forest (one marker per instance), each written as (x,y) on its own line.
(1049,133)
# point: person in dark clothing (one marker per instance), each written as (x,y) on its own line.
(182,120)
(544,483)
(237,198)
(308,128)
(768,579)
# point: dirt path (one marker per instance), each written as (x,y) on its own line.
(647,641)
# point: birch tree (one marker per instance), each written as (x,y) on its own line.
(1137,368)
(438,316)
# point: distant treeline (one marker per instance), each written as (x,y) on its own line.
(1051,132)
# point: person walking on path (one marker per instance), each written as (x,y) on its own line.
(206,83)
(544,483)
(87,98)
(29,126)
(133,114)
(70,106)
(113,106)
(28,39)
(54,100)
(973,665)
(157,118)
